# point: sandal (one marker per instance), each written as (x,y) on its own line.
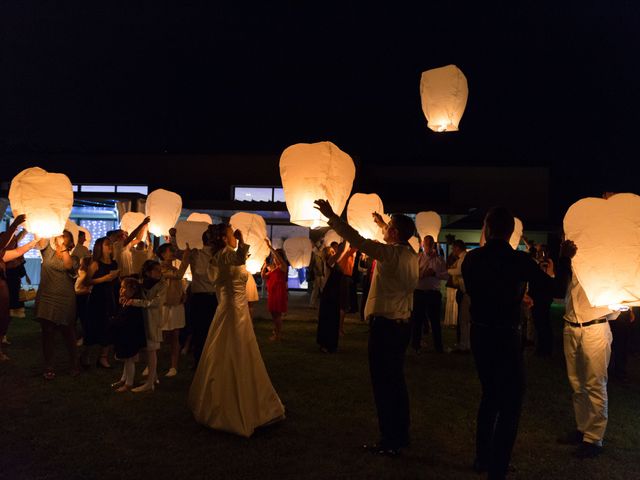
(49,374)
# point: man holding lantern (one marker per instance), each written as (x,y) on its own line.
(388,309)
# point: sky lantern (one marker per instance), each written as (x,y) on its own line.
(164,208)
(130,221)
(516,236)
(191,233)
(415,244)
(428,223)
(254,231)
(311,171)
(330,237)
(200,217)
(444,94)
(298,251)
(607,234)
(360,214)
(45,198)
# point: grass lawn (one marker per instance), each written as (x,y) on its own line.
(77,428)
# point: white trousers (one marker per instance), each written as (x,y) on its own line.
(587,352)
(451,308)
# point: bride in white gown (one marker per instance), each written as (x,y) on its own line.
(231,390)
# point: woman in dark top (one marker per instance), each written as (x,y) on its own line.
(103,278)
(329,311)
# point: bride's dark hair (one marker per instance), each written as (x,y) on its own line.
(215,236)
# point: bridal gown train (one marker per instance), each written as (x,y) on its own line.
(231,390)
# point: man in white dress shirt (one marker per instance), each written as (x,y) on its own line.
(388,310)
(587,350)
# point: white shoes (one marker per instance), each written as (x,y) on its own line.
(171,373)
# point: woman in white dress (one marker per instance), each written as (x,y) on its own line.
(231,390)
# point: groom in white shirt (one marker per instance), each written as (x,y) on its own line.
(388,310)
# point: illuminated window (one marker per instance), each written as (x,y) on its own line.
(252,194)
(141,189)
(98,188)
(278,194)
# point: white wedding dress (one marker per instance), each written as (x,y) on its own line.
(231,390)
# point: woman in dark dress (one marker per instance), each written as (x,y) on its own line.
(102,276)
(329,311)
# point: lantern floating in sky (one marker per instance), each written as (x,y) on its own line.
(311,171)
(607,234)
(298,250)
(130,221)
(200,217)
(444,96)
(360,214)
(428,223)
(516,236)
(45,198)
(163,207)
(191,233)
(254,231)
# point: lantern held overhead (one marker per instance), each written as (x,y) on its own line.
(130,221)
(360,214)
(200,217)
(444,94)
(254,231)
(330,237)
(163,207)
(191,233)
(45,198)
(298,250)
(516,236)
(311,171)
(607,234)
(428,223)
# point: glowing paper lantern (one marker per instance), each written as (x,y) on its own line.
(191,233)
(277,242)
(130,221)
(254,231)
(163,207)
(607,234)
(444,94)
(428,223)
(71,227)
(298,250)
(360,213)
(200,217)
(46,199)
(330,237)
(311,171)
(516,236)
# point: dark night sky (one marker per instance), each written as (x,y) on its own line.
(550,83)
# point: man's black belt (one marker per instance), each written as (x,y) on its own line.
(586,324)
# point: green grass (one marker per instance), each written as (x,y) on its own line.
(77,428)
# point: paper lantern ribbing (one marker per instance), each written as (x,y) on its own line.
(311,171)
(191,233)
(444,94)
(163,207)
(607,234)
(200,217)
(45,198)
(130,221)
(428,223)
(254,231)
(360,214)
(516,236)
(298,250)
(330,237)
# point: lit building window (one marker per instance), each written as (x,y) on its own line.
(141,189)
(278,194)
(253,194)
(98,188)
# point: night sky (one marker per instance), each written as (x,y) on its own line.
(550,83)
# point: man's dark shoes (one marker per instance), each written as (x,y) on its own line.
(382,450)
(587,450)
(570,438)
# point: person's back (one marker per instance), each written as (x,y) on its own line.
(495,278)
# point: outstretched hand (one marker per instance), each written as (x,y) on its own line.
(324,207)
(238,235)
(377,218)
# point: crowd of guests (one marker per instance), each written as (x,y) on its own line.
(130,295)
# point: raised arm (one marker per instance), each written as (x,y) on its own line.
(19,251)
(6,238)
(138,232)
(376,250)
(282,265)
